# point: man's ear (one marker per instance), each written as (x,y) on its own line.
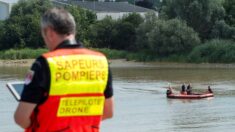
(50,34)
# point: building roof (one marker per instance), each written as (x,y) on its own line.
(107,6)
(9,1)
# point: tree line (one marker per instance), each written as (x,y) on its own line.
(195,30)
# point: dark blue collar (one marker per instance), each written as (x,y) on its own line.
(69,44)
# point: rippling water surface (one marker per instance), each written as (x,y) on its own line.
(141,105)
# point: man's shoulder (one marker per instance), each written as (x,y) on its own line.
(39,62)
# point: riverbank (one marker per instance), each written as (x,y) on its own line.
(119,63)
(21,62)
(123,63)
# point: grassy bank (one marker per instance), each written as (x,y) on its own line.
(121,54)
(15,54)
(215,51)
(210,52)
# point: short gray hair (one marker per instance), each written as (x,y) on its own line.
(60,20)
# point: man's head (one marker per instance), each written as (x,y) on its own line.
(57,25)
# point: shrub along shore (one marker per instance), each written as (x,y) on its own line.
(19,54)
(27,53)
(212,52)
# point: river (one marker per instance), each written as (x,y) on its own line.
(141,104)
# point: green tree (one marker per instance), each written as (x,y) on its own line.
(115,34)
(133,18)
(143,30)
(1,31)
(223,31)
(123,36)
(201,15)
(172,37)
(229,6)
(214,51)
(1,23)
(145,4)
(101,33)
(22,29)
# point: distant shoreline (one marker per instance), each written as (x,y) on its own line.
(122,63)
(22,62)
(117,63)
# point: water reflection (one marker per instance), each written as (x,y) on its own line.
(176,74)
(13,72)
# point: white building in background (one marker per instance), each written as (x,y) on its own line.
(5,8)
(102,9)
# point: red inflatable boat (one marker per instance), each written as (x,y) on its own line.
(191,96)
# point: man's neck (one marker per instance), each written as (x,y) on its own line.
(63,38)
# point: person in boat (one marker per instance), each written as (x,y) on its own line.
(189,89)
(169,91)
(183,89)
(209,89)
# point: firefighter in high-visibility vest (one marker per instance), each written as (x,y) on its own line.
(69,88)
